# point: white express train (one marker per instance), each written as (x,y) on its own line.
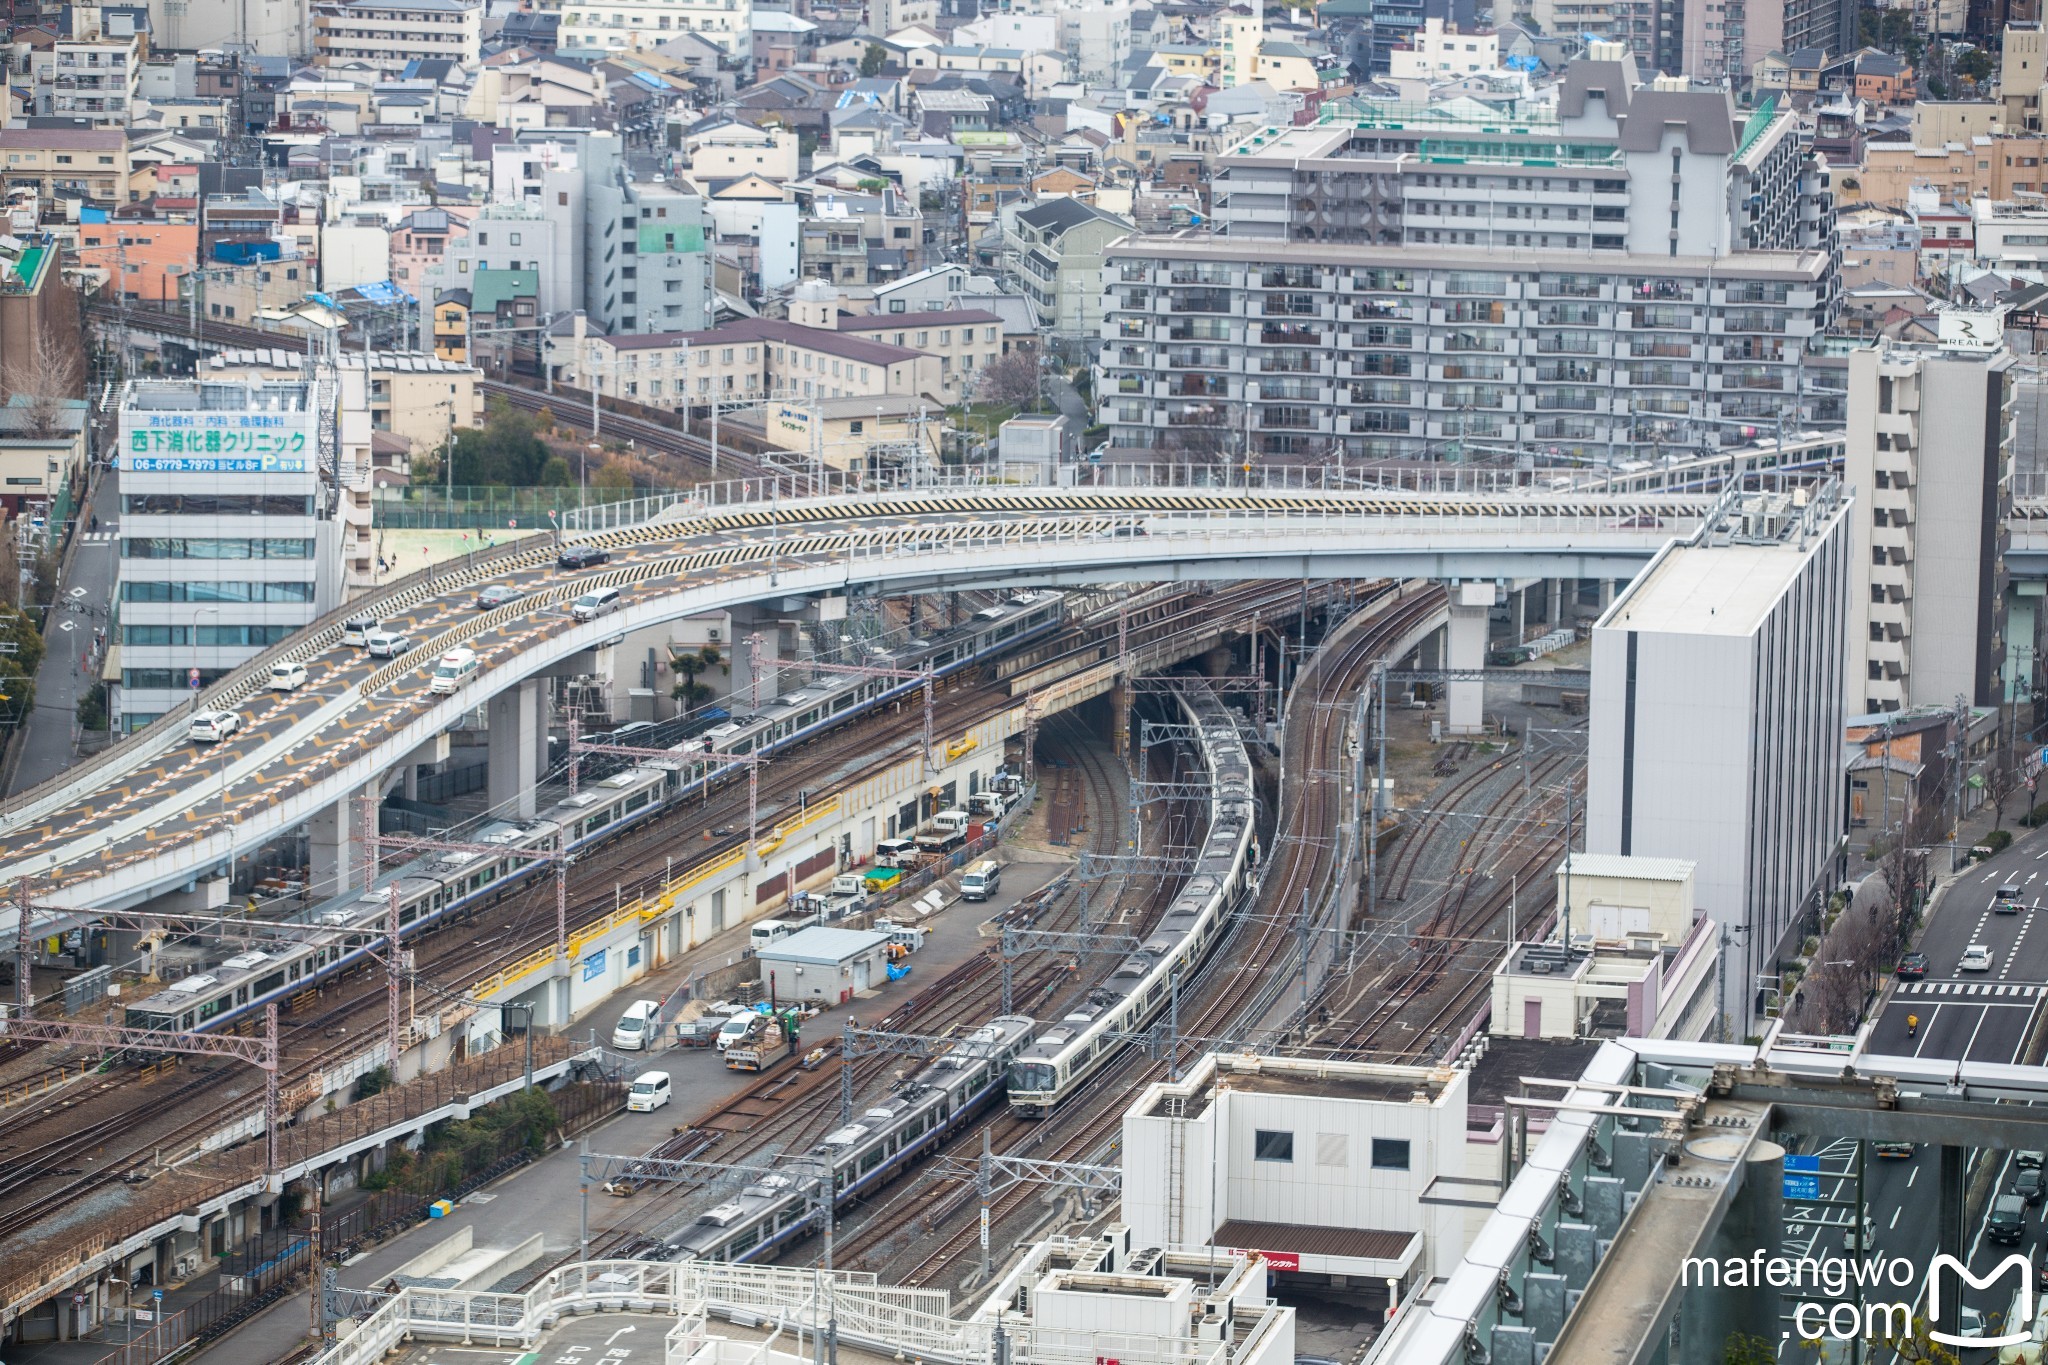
(1062,1058)
(278,964)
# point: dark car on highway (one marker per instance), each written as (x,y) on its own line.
(1913,967)
(581,557)
(2008,1220)
(498,595)
(2031,1185)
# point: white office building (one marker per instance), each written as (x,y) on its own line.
(229,539)
(1930,455)
(1717,713)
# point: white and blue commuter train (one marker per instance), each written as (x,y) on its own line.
(862,1156)
(1063,1057)
(280,964)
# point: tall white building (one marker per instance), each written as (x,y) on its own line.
(229,535)
(1930,445)
(1717,712)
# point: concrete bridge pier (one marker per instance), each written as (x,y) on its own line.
(332,843)
(518,745)
(1471,608)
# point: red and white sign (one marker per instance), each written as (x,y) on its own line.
(1282,1260)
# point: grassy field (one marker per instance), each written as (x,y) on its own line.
(402,552)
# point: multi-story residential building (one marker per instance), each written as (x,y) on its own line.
(756,359)
(149,257)
(389,35)
(647,254)
(966,340)
(95,70)
(1647,267)
(1930,450)
(623,25)
(229,538)
(1437,53)
(859,239)
(1056,254)
(92,162)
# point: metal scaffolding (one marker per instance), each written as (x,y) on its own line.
(1016,942)
(868,1042)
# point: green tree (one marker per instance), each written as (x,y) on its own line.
(1743,1349)
(873,60)
(17,693)
(1974,66)
(19,630)
(555,473)
(612,478)
(506,451)
(687,665)
(92,707)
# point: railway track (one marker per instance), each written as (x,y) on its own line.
(1214,1003)
(504,934)
(1511,852)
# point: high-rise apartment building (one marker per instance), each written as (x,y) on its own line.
(1930,453)
(1644,266)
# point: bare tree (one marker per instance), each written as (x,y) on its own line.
(1010,380)
(44,378)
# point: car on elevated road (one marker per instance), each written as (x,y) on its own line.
(211,727)
(498,595)
(582,557)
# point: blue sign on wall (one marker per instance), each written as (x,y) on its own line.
(593,966)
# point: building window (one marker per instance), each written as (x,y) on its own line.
(1390,1154)
(1271,1146)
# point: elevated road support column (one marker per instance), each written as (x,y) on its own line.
(334,845)
(1471,604)
(515,715)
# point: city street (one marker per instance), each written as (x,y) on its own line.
(84,598)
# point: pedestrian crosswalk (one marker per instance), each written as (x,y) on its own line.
(95,537)
(1956,989)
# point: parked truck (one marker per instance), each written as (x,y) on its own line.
(769,1039)
(880,879)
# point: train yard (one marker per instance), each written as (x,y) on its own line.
(89,1126)
(1304,960)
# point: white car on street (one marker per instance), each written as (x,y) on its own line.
(1976,958)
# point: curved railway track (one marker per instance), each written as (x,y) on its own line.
(1220,994)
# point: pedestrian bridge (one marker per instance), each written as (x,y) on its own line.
(158,811)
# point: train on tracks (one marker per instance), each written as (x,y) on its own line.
(278,965)
(1060,1060)
(861,1156)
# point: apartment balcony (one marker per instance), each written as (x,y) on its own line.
(1895,578)
(1893,502)
(1896,541)
(1896,617)
(1889,652)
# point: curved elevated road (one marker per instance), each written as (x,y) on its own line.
(159,810)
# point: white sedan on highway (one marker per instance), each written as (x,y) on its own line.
(1976,958)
